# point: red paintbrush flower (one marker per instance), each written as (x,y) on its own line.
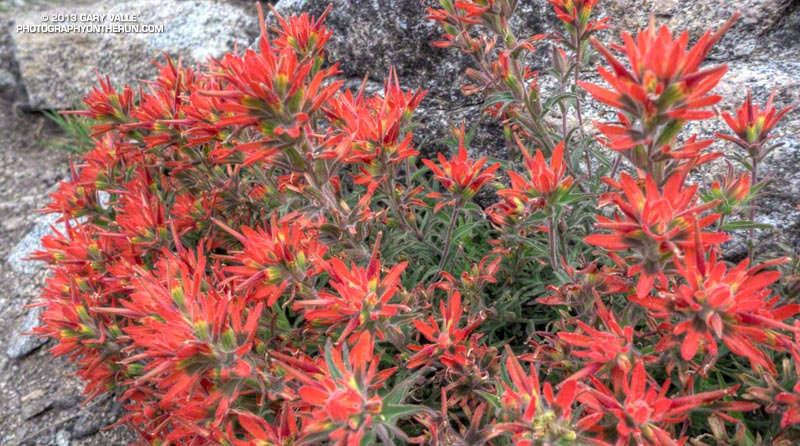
(160,112)
(373,131)
(611,349)
(273,90)
(262,433)
(340,392)
(448,342)
(461,176)
(576,15)
(717,304)
(306,35)
(662,87)
(107,106)
(272,259)
(141,214)
(752,125)
(544,188)
(585,283)
(185,342)
(536,415)
(656,225)
(638,411)
(781,392)
(358,297)
(731,192)
(466,12)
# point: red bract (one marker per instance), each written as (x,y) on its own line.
(274,91)
(751,125)
(263,433)
(547,182)
(543,188)
(373,133)
(461,176)
(108,106)
(576,14)
(612,349)
(448,342)
(340,392)
(466,12)
(81,283)
(585,283)
(637,412)
(663,84)
(791,400)
(536,414)
(160,110)
(733,306)
(655,225)
(359,297)
(731,193)
(273,259)
(306,35)
(196,339)
(141,216)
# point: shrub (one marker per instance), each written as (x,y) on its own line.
(254,256)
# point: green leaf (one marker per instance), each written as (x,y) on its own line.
(392,412)
(506,98)
(494,400)
(368,439)
(399,391)
(335,373)
(737,225)
(283,321)
(464,230)
(669,132)
(557,98)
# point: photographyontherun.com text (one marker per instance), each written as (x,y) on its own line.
(85,23)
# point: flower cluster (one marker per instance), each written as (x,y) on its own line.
(253,255)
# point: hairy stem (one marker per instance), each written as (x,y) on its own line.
(578,64)
(753,181)
(449,237)
(552,243)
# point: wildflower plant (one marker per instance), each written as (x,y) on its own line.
(253,255)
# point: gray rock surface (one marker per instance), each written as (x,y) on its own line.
(21,342)
(758,19)
(372,36)
(30,243)
(7,80)
(40,402)
(58,69)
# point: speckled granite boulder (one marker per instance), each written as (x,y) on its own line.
(58,68)
(372,36)
(758,19)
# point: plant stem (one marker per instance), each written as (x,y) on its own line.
(552,243)
(403,219)
(578,64)
(753,181)
(449,237)
(614,169)
(563,239)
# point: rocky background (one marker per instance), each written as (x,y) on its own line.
(40,404)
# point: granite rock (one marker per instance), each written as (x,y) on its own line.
(58,69)
(21,344)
